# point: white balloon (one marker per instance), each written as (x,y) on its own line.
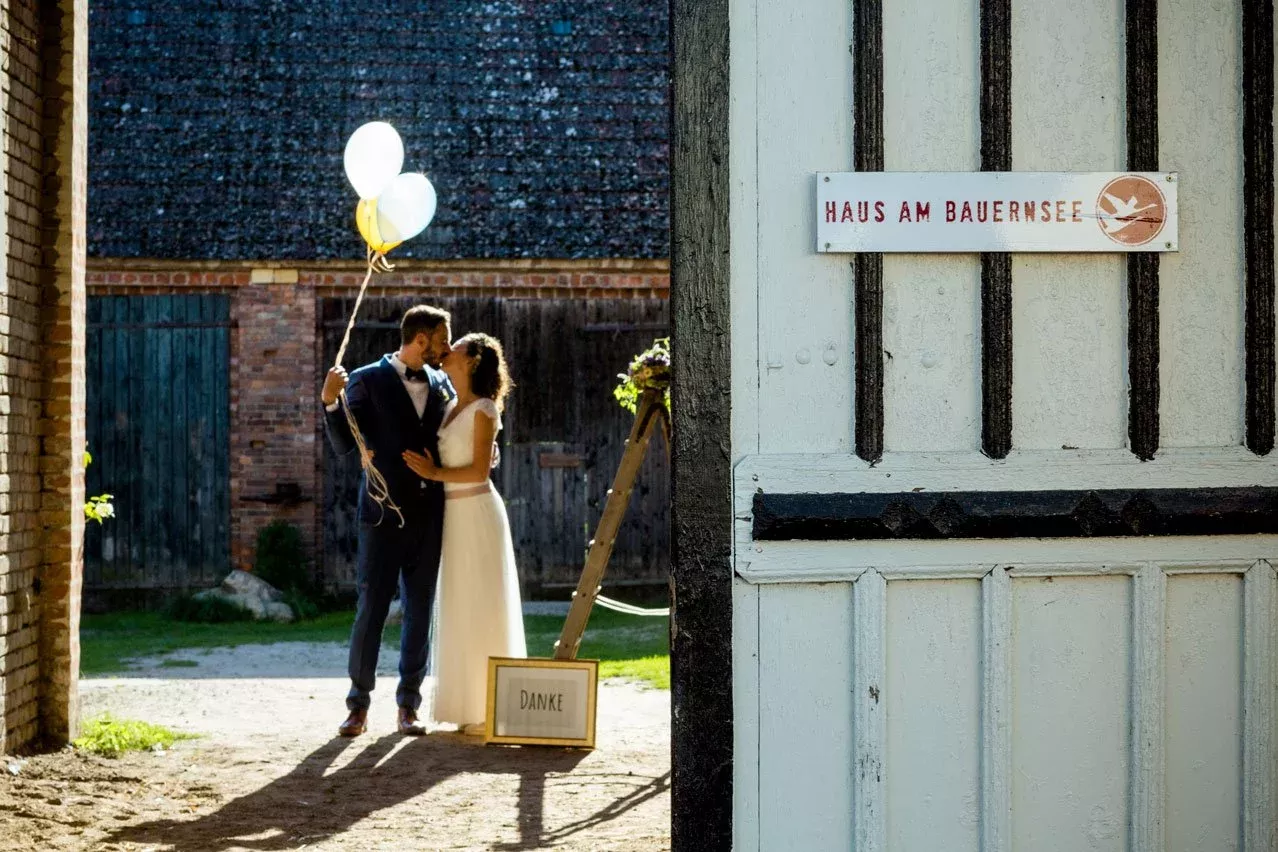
(374,155)
(406,207)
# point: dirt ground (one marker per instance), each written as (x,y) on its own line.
(267,772)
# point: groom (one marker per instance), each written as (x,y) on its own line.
(398,403)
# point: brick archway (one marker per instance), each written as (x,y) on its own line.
(42,370)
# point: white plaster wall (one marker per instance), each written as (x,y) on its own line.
(1069,374)
(931,303)
(804,299)
(1201,287)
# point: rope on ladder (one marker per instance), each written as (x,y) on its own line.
(377,487)
(630,609)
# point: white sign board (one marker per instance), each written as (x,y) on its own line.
(542,701)
(996,212)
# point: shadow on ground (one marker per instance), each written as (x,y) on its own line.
(315,802)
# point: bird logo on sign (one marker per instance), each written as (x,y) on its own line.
(1131,210)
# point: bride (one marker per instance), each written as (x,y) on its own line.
(478,611)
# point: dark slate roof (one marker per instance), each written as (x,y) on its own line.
(217,129)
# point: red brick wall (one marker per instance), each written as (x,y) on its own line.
(275,353)
(42,369)
(20,374)
(649,280)
(66,66)
(274,413)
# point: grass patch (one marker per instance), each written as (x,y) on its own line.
(112,737)
(209,610)
(628,646)
(106,641)
(655,671)
(178,664)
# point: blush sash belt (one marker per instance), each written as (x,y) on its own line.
(468,491)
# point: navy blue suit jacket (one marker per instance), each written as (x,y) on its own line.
(389,424)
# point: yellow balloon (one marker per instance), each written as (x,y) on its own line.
(366,221)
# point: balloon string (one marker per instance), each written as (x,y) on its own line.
(373,257)
(378,489)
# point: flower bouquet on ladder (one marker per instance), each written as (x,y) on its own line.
(650,370)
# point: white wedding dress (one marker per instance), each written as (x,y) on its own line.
(477,607)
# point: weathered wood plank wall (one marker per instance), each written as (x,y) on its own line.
(158,417)
(563,437)
(159,424)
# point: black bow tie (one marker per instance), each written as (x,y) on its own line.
(411,375)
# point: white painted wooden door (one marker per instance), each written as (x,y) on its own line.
(1020,694)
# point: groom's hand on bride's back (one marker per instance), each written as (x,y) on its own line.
(334,384)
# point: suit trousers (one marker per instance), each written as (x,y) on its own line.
(391,556)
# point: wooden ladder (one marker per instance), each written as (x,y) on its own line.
(650,414)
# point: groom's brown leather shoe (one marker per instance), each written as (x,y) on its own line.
(408,723)
(355,724)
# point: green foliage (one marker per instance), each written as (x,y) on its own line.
(112,737)
(206,610)
(303,605)
(649,370)
(281,559)
(98,508)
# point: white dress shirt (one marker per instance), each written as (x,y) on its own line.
(418,392)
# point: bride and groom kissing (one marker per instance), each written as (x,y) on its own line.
(429,415)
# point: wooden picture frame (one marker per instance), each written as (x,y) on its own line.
(559,713)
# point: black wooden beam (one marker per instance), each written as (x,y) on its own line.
(1142,267)
(701,472)
(1015,514)
(996,269)
(1258,217)
(867,140)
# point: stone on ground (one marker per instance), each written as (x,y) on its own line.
(253,594)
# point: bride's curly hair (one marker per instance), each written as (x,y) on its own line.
(490,377)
